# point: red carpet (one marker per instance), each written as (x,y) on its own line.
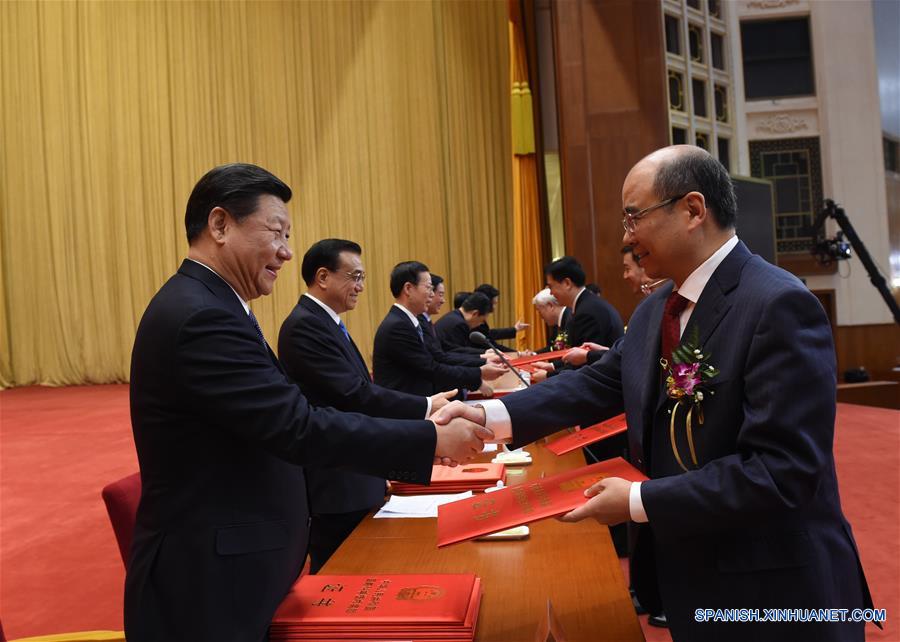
(60,569)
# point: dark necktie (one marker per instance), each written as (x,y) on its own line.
(419,332)
(258,329)
(671,324)
(344,330)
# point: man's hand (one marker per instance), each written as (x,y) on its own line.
(459,409)
(459,440)
(546,366)
(590,347)
(520,325)
(486,391)
(441,399)
(576,357)
(608,503)
(491,357)
(538,375)
(491,371)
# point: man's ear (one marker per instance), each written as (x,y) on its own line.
(321,275)
(218,222)
(696,204)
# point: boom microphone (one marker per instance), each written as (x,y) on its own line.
(480,340)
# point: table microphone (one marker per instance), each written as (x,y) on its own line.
(480,340)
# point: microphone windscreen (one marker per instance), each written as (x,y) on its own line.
(479,339)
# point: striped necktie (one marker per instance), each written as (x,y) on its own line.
(258,329)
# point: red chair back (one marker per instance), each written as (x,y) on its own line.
(122,498)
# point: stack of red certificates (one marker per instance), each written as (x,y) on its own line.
(379,607)
(444,479)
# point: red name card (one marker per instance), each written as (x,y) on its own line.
(526,503)
(445,479)
(591,434)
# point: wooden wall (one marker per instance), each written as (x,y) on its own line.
(874,347)
(613,110)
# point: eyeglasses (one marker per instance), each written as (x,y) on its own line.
(359,277)
(629,221)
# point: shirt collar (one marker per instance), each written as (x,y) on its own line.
(334,315)
(693,286)
(575,301)
(562,313)
(244,304)
(412,317)
(427,316)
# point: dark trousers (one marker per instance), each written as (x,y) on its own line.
(327,532)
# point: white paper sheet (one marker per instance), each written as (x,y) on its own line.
(417,505)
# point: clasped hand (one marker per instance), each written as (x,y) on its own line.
(460,433)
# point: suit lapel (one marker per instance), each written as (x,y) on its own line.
(348,348)
(218,286)
(713,304)
(360,362)
(653,396)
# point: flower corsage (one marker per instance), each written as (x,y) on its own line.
(686,381)
(561,342)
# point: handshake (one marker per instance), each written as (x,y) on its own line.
(460,433)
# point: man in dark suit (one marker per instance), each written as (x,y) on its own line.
(320,356)
(401,360)
(595,324)
(467,357)
(495,334)
(453,329)
(748,515)
(594,320)
(220,430)
(556,317)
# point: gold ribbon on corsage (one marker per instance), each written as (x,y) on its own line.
(685,380)
(690,434)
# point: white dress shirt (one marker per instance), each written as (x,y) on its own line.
(334,315)
(496,417)
(412,317)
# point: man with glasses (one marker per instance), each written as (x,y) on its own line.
(401,359)
(742,509)
(320,356)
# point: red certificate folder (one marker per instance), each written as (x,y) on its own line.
(543,356)
(597,432)
(379,607)
(525,503)
(459,479)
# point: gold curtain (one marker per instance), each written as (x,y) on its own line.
(388,120)
(527,236)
